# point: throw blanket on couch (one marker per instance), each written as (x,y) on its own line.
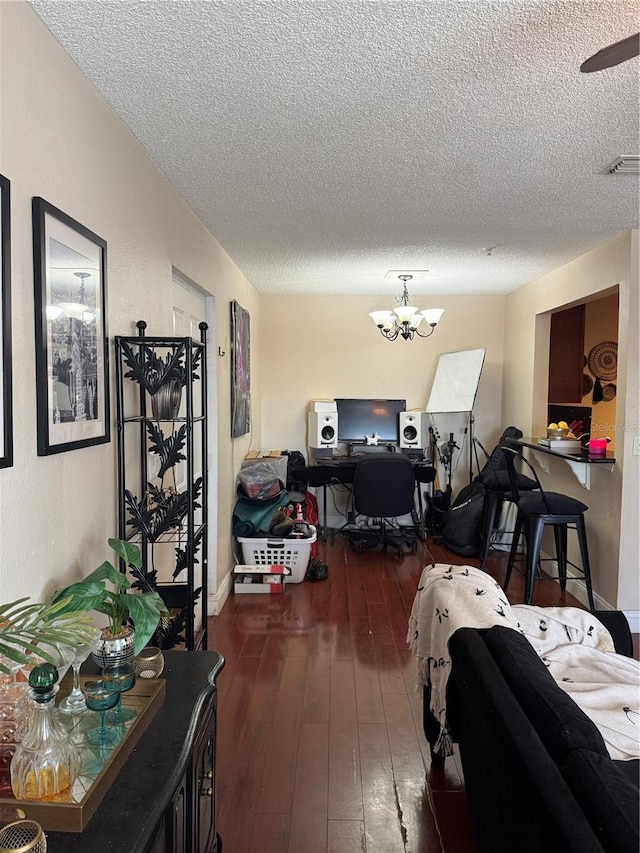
(448,598)
(579,654)
(575,646)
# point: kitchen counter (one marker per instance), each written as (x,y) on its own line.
(580,461)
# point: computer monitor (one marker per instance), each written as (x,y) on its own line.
(359,419)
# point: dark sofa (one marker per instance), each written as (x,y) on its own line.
(537,773)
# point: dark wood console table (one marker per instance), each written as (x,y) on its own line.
(163,800)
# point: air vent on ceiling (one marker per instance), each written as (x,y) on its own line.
(628,164)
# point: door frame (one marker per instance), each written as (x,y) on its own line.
(179,279)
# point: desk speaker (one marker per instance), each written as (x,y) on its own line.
(322,429)
(414,429)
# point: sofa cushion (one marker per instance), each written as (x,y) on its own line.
(608,797)
(518,799)
(561,725)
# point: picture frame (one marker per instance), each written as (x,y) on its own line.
(72,348)
(6,393)
(240,371)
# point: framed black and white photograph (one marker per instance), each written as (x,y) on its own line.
(6,410)
(72,370)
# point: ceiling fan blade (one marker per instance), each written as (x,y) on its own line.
(613,55)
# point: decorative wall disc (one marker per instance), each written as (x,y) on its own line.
(603,360)
(608,392)
(587,384)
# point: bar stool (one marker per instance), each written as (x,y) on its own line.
(495,479)
(536,510)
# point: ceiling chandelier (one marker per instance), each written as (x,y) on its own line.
(404,320)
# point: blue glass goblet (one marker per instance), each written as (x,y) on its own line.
(120,678)
(101,698)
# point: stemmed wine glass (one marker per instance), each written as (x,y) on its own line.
(75,701)
(99,697)
(61,654)
(120,678)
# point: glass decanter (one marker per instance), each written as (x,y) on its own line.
(45,763)
(11,695)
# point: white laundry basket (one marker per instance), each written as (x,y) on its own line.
(293,553)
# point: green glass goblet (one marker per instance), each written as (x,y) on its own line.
(99,697)
(120,678)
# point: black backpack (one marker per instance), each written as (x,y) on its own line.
(462,531)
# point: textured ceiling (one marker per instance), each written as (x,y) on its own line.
(326,142)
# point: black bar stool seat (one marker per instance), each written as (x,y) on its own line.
(537,510)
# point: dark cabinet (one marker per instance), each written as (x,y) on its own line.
(204,791)
(566,356)
(158,845)
(163,799)
(177,821)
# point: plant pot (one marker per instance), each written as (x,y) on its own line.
(165,403)
(113,651)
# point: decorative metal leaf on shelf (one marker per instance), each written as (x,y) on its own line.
(167,447)
(182,554)
(195,361)
(148,579)
(160,511)
(171,631)
(152,371)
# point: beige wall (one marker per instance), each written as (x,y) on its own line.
(60,141)
(317,347)
(612,519)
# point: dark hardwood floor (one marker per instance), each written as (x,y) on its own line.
(320,742)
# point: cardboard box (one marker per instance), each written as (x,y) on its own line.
(259,579)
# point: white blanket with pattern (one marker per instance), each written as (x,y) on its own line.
(574,645)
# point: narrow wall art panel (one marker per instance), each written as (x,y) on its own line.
(6,408)
(240,373)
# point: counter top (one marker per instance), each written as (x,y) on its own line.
(582,455)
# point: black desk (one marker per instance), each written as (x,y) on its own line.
(342,471)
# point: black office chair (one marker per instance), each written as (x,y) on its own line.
(536,510)
(495,479)
(383,489)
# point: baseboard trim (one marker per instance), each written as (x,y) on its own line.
(216,600)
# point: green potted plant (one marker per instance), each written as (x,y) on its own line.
(133,617)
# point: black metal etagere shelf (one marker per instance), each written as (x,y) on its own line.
(162,471)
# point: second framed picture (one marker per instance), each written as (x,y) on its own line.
(72,368)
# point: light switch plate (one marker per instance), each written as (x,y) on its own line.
(636,445)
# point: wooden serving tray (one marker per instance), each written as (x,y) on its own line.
(146,696)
